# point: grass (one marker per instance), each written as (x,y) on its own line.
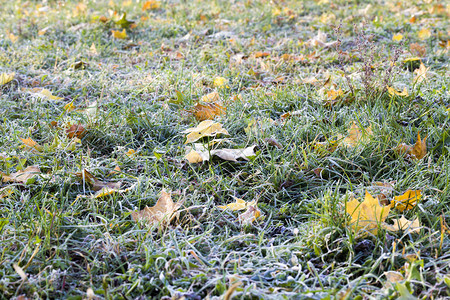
(302,246)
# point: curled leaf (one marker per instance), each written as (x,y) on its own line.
(204,129)
(251,214)
(21,176)
(238,205)
(97,184)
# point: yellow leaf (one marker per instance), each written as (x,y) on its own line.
(130,153)
(238,205)
(21,176)
(204,129)
(41,93)
(220,82)
(161,213)
(194,157)
(332,94)
(151,5)
(5,78)
(211,97)
(393,92)
(368,215)
(403,224)
(251,214)
(69,107)
(5,192)
(421,73)
(418,151)
(424,34)
(397,37)
(356,135)
(31,145)
(120,34)
(406,201)
(207,111)
(13,38)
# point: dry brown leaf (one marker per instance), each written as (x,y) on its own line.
(207,111)
(161,213)
(21,176)
(76,130)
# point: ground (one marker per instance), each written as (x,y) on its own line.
(331,94)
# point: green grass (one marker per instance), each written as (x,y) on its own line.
(302,246)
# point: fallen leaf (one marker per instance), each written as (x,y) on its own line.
(124,23)
(403,224)
(417,49)
(406,201)
(220,82)
(5,192)
(106,191)
(211,97)
(418,151)
(119,34)
(424,34)
(207,111)
(151,5)
(41,93)
(393,92)
(130,153)
(238,205)
(320,41)
(31,145)
(393,277)
(21,176)
(421,73)
(199,153)
(258,126)
(161,213)
(5,78)
(97,184)
(333,94)
(261,54)
(356,135)
(206,128)
(397,37)
(76,130)
(368,215)
(69,107)
(251,214)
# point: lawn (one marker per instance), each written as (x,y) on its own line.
(326,123)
